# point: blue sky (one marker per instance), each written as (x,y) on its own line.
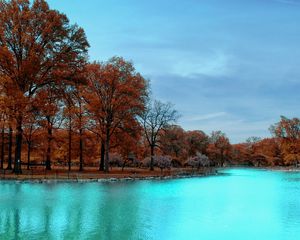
(229,65)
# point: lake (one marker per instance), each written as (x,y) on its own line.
(237,204)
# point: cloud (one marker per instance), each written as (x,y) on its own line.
(215,64)
(206,116)
(293,2)
(226,65)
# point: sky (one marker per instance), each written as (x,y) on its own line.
(229,65)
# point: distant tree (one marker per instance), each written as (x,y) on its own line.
(220,145)
(126,142)
(266,152)
(173,142)
(288,132)
(253,140)
(156,117)
(197,142)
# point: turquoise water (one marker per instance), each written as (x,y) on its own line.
(239,204)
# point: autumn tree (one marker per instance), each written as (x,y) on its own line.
(197,142)
(68,113)
(240,154)
(116,95)
(126,142)
(30,128)
(156,117)
(51,118)
(267,152)
(9,109)
(37,45)
(220,147)
(288,132)
(75,113)
(173,142)
(2,127)
(80,113)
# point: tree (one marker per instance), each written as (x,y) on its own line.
(197,142)
(38,46)
(2,121)
(115,95)
(163,162)
(126,142)
(157,116)
(69,115)
(80,123)
(30,128)
(173,142)
(288,132)
(51,117)
(220,146)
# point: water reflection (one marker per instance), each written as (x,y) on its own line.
(67,211)
(240,204)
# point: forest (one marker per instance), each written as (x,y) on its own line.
(60,109)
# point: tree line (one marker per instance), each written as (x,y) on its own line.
(59,108)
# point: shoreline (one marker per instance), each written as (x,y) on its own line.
(127,175)
(115,176)
(104,180)
(270,168)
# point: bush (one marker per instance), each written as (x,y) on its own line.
(115,159)
(162,162)
(200,160)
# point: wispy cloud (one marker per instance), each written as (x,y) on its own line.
(215,64)
(293,2)
(208,116)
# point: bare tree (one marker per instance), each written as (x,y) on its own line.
(156,117)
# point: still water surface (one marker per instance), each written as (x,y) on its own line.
(238,204)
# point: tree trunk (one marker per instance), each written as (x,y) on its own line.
(123,165)
(10,143)
(222,158)
(152,158)
(18,148)
(106,160)
(48,159)
(80,151)
(101,167)
(2,148)
(28,154)
(70,146)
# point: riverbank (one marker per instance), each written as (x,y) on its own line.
(284,169)
(270,168)
(92,175)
